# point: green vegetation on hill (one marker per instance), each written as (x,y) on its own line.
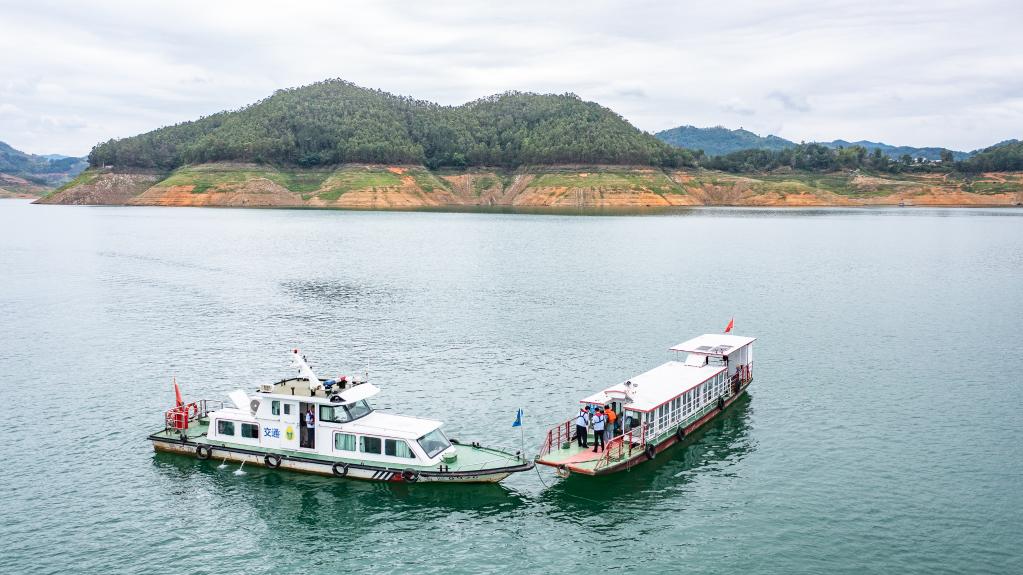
(335,122)
(44,170)
(719,141)
(1003,157)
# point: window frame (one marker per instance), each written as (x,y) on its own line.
(222,423)
(362,444)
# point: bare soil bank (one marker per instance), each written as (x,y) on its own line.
(396,187)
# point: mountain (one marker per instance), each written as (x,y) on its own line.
(46,171)
(896,152)
(336,122)
(718,141)
(1004,156)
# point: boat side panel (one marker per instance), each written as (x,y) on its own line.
(371,474)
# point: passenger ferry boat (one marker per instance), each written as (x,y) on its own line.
(348,439)
(658,408)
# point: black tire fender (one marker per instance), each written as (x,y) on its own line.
(410,475)
(203,452)
(339,469)
(650,452)
(721,403)
(272,461)
(680,433)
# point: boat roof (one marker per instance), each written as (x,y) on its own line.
(650,389)
(714,344)
(391,425)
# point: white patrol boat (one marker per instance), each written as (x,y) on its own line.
(658,408)
(346,438)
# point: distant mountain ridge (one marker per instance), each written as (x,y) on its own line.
(719,141)
(51,170)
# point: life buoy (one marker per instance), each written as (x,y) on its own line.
(272,461)
(650,452)
(680,433)
(339,469)
(410,475)
(203,451)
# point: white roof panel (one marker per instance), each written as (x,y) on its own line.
(651,389)
(714,344)
(391,425)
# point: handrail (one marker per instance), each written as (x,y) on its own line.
(616,448)
(557,435)
(180,416)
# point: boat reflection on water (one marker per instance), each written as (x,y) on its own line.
(718,444)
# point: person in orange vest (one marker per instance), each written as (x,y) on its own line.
(609,427)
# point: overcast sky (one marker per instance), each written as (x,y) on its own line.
(934,73)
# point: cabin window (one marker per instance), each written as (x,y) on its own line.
(250,431)
(225,427)
(369,444)
(275,407)
(434,442)
(335,414)
(344,442)
(359,409)
(287,409)
(397,448)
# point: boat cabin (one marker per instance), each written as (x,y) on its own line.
(345,425)
(706,373)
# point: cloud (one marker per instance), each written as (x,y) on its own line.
(790,102)
(920,73)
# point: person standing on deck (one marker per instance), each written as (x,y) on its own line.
(310,427)
(581,422)
(609,427)
(598,430)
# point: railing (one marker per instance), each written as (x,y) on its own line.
(557,435)
(181,416)
(621,447)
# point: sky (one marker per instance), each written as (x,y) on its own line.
(934,73)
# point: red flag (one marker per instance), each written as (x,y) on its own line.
(731,324)
(177,394)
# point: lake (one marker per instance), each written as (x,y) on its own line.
(882,433)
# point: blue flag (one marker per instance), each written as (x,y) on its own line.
(518,419)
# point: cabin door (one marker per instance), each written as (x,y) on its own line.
(308,437)
(292,429)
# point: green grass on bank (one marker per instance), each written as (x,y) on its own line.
(653,180)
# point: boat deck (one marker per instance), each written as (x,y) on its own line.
(581,459)
(470,458)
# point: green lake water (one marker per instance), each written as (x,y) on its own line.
(882,433)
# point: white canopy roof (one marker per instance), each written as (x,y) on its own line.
(714,344)
(651,389)
(391,425)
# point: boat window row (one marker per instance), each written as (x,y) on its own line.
(227,427)
(373,445)
(275,407)
(685,405)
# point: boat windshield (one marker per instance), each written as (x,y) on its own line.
(434,442)
(345,413)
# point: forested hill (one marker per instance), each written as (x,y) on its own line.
(50,170)
(719,141)
(335,122)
